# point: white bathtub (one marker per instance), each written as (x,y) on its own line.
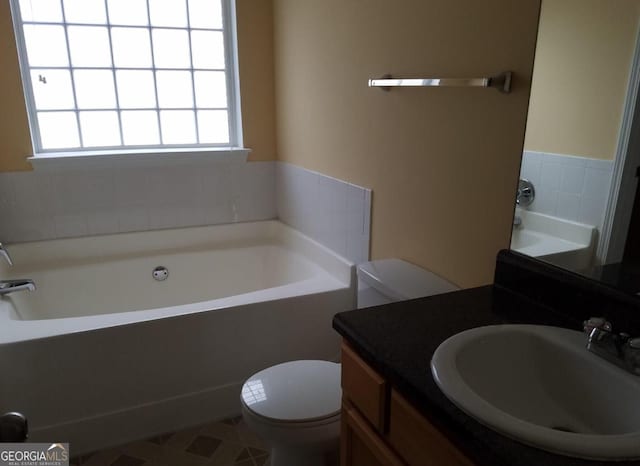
(101,353)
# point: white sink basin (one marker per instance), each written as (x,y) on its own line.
(540,385)
(558,241)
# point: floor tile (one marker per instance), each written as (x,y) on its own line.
(232,421)
(203,446)
(182,439)
(250,438)
(224,443)
(243,455)
(103,457)
(226,454)
(262,461)
(126,460)
(145,450)
(256,453)
(222,431)
(160,439)
(174,457)
(244,463)
(80,460)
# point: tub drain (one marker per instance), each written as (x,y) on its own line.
(160,273)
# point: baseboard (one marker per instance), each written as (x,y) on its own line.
(143,421)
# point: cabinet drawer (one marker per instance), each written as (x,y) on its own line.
(363,387)
(421,444)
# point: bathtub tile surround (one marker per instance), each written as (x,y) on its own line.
(573,188)
(334,213)
(56,201)
(224,443)
(52,202)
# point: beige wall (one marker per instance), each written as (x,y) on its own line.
(583,59)
(255,49)
(255,56)
(15,140)
(442,163)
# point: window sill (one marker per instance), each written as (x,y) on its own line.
(137,158)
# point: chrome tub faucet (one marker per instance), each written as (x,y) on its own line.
(617,348)
(4,253)
(10,286)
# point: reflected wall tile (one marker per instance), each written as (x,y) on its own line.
(568,206)
(592,210)
(562,178)
(551,175)
(597,183)
(572,180)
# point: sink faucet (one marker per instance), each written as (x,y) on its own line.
(4,253)
(617,348)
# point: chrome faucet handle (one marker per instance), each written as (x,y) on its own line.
(599,323)
(11,286)
(617,348)
(526,193)
(4,253)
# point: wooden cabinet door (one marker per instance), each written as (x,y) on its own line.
(360,445)
(364,388)
(419,442)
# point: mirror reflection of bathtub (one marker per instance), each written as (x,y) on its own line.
(558,241)
(578,148)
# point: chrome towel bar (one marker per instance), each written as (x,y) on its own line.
(501,82)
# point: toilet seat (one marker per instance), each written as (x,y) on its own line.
(303,393)
(297,425)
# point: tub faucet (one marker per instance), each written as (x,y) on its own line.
(9,286)
(617,348)
(4,253)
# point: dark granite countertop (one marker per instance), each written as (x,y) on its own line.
(399,339)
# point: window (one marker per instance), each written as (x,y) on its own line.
(128,74)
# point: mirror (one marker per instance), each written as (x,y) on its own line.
(582,146)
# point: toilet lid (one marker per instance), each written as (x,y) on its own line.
(295,391)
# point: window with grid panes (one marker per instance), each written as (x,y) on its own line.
(127,74)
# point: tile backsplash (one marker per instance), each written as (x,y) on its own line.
(51,202)
(573,188)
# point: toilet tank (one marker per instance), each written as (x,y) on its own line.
(388,280)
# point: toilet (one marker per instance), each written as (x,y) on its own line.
(295,406)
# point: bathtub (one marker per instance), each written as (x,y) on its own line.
(103,353)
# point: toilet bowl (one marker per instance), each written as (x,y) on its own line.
(295,406)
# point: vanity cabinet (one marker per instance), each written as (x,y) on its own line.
(380,428)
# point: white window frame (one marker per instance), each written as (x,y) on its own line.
(235,144)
